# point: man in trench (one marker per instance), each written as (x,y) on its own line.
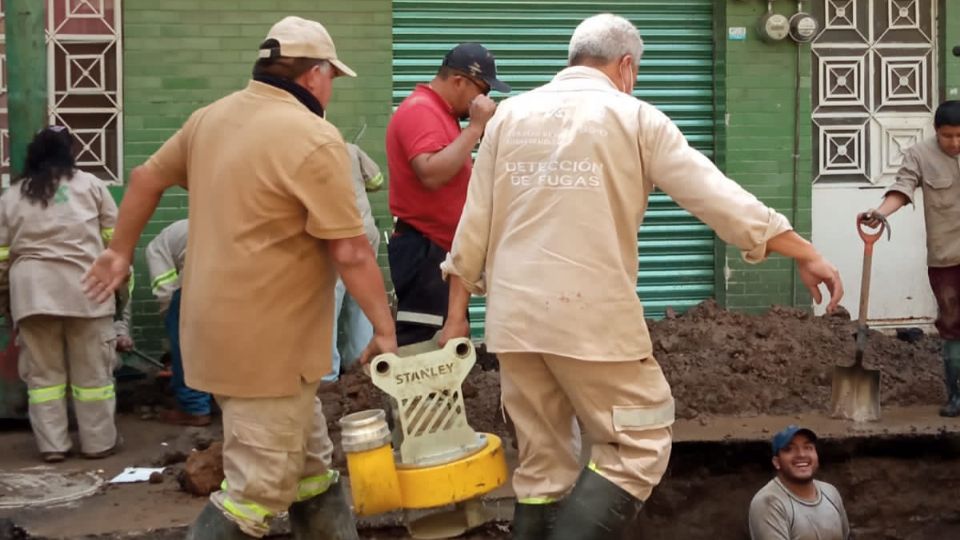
(933,165)
(794,504)
(549,234)
(273,220)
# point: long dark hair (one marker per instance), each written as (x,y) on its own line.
(49,160)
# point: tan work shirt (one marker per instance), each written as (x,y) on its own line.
(268,180)
(926,165)
(166,255)
(50,248)
(558,193)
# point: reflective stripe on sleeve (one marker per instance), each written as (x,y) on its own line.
(169,276)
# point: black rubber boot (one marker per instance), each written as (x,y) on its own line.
(951,376)
(211,524)
(596,509)
(324,517)
(534,521)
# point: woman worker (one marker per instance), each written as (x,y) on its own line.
(54,221)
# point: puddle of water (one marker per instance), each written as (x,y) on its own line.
(45,487)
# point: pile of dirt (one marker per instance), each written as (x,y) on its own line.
(720,362)
(723,363)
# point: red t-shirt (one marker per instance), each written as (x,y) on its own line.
(424,124)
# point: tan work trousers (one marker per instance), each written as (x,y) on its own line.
(625,408)
(276,451)
(79,354)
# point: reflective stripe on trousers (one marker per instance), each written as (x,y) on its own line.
(45,394)
(101,393)
(247,513)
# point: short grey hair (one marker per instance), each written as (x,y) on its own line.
(606,38)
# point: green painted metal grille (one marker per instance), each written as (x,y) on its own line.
(529,40)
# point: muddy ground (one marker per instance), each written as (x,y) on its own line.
(721,363)
(724,363)
(901,488)
(736,365)
(718,363)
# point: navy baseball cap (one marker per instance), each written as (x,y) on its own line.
(475,60)
(782,439)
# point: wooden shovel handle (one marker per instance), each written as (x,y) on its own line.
(870,238)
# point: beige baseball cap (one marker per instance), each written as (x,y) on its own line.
(300,38)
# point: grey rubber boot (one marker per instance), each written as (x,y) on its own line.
(951,376)
(324,517)
(211,524)
(596,509)
(534,521)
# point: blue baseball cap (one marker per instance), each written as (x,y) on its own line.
(783,438)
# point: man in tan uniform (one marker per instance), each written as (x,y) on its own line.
(934,166)
(273,220)
(549,233)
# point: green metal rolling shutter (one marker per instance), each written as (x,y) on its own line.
(529,39)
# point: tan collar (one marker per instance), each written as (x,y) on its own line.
(584,73)
(265,90)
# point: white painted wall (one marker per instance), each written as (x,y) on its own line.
(900,292)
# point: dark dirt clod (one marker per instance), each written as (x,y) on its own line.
(203,472)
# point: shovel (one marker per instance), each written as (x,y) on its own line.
(856,389)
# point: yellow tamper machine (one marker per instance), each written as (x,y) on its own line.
(433,459)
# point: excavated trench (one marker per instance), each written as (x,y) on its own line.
(894,488)
(727,367)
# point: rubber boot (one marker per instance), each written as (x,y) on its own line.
(211,524)
(324,517)
(534,521)
(951,373)
(596,509)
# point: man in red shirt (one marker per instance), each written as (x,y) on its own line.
(428,156)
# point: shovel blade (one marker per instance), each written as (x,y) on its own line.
(856,394)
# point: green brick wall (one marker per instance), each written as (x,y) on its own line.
(951,63)
(182,54)
(759,87)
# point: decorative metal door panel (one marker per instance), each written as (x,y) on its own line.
(874,86)
(84,82)
(874,91)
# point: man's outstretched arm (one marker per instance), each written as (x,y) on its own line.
(110,270)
